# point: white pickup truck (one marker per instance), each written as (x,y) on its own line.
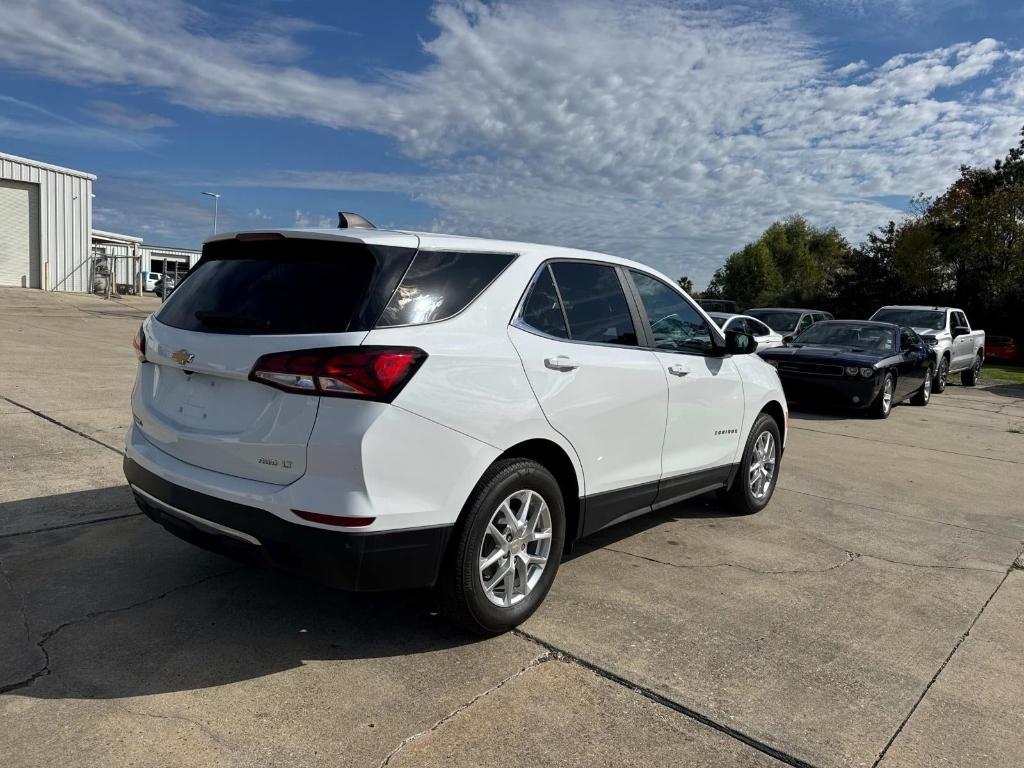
(957,348)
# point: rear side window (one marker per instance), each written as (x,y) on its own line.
(542,309)
(440,284)
(286,286)
(594,303)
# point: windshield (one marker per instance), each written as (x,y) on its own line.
(866,337)
(776,319)
(720,320)
(915,318)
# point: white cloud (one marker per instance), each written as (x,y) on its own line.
(120,116)
(305,220)
(662,132)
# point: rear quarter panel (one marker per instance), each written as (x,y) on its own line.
(473,380)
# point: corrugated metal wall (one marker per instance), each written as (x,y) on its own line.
(65,220)
(150,252)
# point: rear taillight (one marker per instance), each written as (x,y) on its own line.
(367,373)
(140,345)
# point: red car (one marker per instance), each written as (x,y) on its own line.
(1001,348)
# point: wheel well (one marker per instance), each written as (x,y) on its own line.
(774,409)
(557,462)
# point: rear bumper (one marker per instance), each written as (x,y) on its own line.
(841,391)
(363,561)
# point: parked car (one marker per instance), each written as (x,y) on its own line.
(385,410)
(149,281)
(856,364)
(718,305)
(1002,348)
(165,283)
(958,349)
(765,336)
(788,321)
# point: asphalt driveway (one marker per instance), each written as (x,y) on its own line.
(871,615)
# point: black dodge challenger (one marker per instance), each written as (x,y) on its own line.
(855,364)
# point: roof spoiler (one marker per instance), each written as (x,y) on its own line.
(348,220)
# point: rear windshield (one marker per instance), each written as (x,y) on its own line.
(915,318)
(777,320)
(286,286)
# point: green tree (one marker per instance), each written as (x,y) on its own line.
(686,284)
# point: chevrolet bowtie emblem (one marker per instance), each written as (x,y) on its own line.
(183,357)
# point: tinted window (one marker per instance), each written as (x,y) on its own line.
(778,320)
(916,318)
(594,303)
(866,337)
(542,309)
(756,328)
(907,339)
(961,319)
(675,324)
(805,322)
(285,286)
(440,284)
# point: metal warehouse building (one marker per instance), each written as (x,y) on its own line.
(47,240)
(45,224)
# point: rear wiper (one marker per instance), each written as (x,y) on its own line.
(227,320)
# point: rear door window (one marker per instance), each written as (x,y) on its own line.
(440,284)
(285,286)
(543,309)
(594,302)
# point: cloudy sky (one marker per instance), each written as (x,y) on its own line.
(669,132)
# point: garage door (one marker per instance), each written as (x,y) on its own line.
(19,234)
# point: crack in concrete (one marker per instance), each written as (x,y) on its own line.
(932,565)
(44,670)
(62,425)
(560,654)
(180,718)
(956,646)
(75,524)
(849,558)
(546,656)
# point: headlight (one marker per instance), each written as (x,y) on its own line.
(852,370)
(867,373)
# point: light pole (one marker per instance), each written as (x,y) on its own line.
(216,204)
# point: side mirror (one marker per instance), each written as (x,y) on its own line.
(737,343)
(961,330)
(788,338)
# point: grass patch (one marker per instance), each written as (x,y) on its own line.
(1003,373)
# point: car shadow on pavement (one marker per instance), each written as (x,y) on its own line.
(122,608)
(1006,390)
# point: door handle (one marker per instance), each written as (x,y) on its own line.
(678,370)
(561,363)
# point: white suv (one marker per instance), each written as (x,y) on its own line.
(382,410)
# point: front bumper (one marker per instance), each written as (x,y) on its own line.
(841,391)
(362,561)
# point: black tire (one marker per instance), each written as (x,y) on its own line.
(881,408)
(923,396)
(739,498)
(939,385)
(460,587)
(969,378)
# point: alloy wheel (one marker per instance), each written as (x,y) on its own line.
(887,395)
(515,548)
(762,466)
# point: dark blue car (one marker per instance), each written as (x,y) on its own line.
(855,364)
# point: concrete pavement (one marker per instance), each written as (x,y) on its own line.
(871,615)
